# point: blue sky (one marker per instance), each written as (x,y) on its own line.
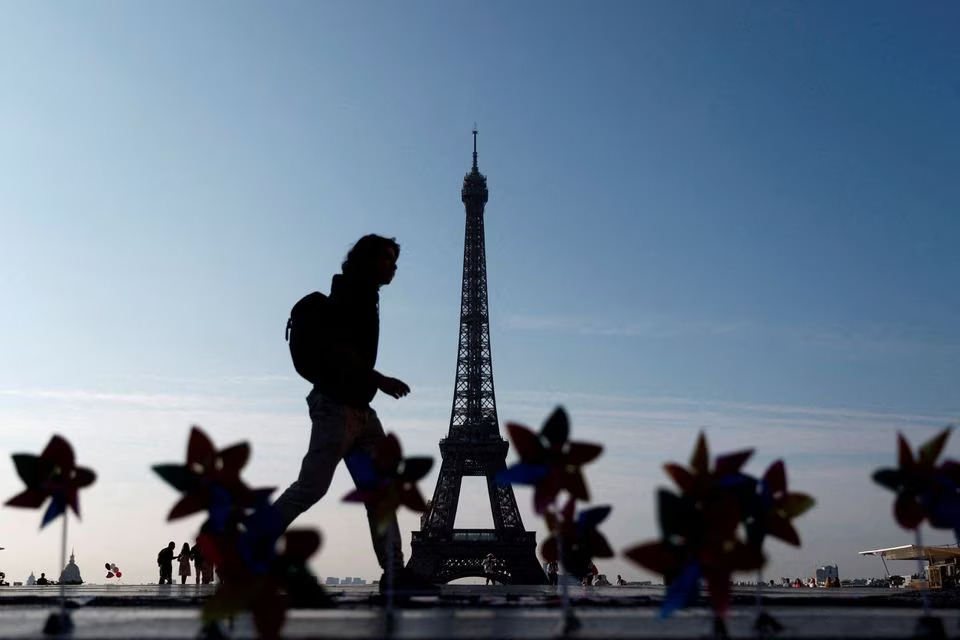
(736,217)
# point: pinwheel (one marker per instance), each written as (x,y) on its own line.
(549,461)
(54,475)
(772,508)
(112,571)
(263,570)
(210,481)
(574,539)
(385,481)
(924,490)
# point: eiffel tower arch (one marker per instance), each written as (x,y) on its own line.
(473,446)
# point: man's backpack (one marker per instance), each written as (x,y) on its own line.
(308,319)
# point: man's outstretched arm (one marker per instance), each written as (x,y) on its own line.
(390,386)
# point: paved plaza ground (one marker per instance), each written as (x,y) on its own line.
(475,611)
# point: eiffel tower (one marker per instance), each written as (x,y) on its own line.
(473,446)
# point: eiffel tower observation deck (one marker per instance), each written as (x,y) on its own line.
(473,446)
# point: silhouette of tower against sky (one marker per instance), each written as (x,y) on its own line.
(473,446)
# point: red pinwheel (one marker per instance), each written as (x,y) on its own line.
(549,461)
(53,474)
(772,508)
(386,480)
(263,571)
(924,490)
(210,480)
(699,529)
(580,542)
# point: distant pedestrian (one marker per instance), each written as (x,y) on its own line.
(42,580)
(165,562)
(590,575)
(553,573)
(184,559)
(490,569)
(197,556)
(620,580)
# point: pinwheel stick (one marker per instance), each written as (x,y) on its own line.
(920,570)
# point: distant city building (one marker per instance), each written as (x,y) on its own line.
(71,573)
(31,579)
(332,582)
(828,572)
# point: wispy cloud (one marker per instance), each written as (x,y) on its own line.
(648,328)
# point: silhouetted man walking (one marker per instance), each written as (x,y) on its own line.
(344,337)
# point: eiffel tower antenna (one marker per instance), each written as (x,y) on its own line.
(473,446)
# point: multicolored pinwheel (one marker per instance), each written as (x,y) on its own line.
(772,508)
(54,475)
(549,461)
(924,490)
(263,570)
(386,480)
(210,481)
(578,538)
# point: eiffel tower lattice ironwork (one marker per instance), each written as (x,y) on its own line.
(473,446)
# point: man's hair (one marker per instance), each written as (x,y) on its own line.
(360,258)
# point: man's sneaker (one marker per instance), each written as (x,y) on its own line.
(406,582)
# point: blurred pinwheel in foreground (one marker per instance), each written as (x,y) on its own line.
(54,475)
(262,568)
(716,526)
(549,461)
(210,481)
(574,540)
(924,490)
(386,480)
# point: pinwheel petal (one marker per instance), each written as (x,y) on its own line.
(413,499)
(549,549)
(54,509)
(189,504)
(700,460)
(300,544)
(527,443)
(904,455)
(29,468)
(361,468)
(908,513)
(580,453)
(890,478)
(680,476)
(576,485)
(416,468)
(781,528)
(29,499)
(732,462)
(795,504)
(683,590)
(178,476)
(598,545)
(387,454)
(522,473)
(59,451)
(930,451)
(775,478)
(200,450)
(590,518)
(83,477)
(235,457)
(556,430)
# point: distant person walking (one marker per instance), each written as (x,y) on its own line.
(553,573)
(184,560)
(165,562)
(197,556)
(490,569)
(334,344)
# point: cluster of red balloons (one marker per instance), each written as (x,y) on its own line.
(113,571)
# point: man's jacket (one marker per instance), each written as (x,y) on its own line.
(349,340)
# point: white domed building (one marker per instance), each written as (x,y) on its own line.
(71,573)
